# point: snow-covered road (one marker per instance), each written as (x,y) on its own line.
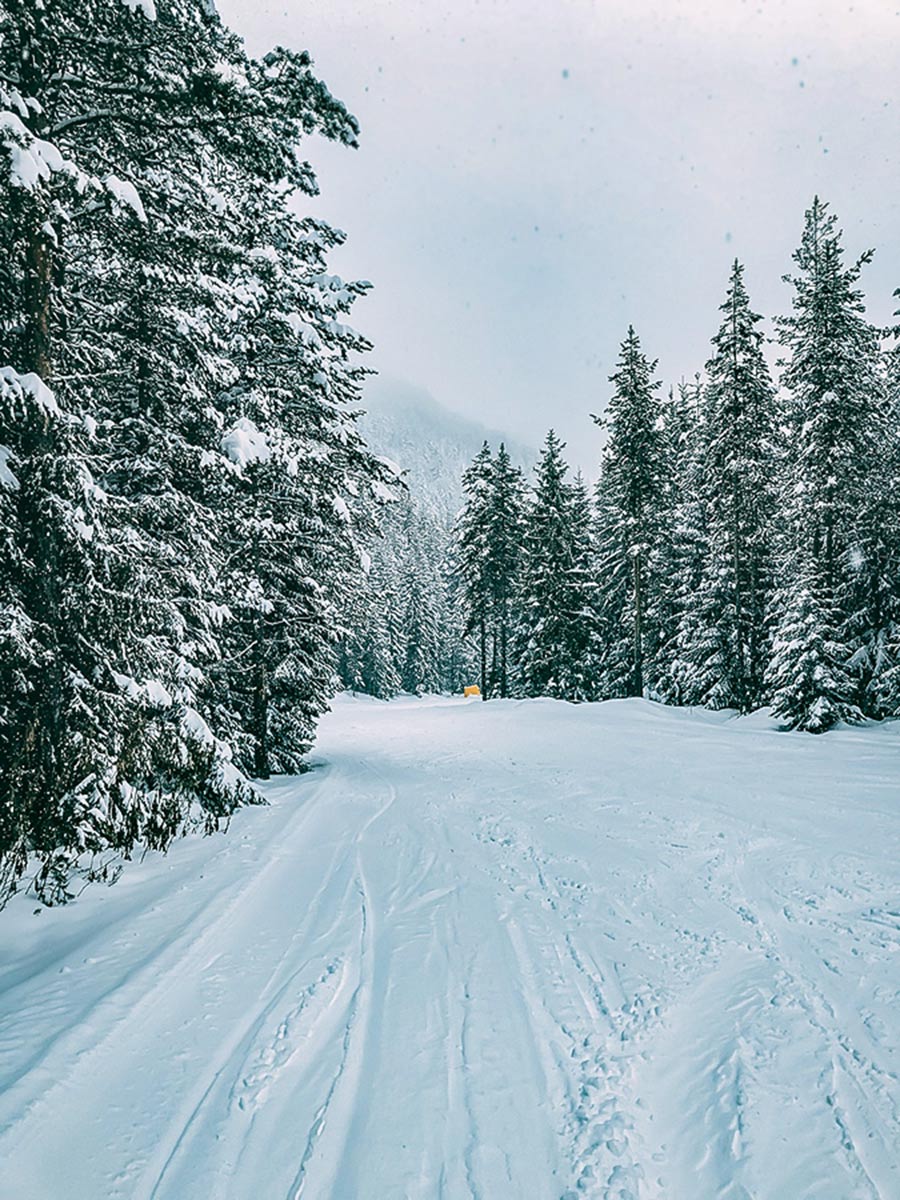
(512,951)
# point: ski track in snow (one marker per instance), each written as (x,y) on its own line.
(517,950)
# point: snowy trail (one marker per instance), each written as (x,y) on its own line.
(517,950)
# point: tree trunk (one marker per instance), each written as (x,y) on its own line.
(38,296)
(504,684)
(740,633)
(483,632)
(261,715)
(638,585)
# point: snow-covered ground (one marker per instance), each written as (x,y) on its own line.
(512,951)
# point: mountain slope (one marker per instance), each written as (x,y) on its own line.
(432,444)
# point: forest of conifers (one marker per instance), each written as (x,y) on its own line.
(741,547)
(199,548)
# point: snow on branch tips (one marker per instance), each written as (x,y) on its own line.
(20,390)
(31,159)
(244,444)
(147,7)
(125,195)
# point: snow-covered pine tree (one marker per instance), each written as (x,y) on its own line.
(421,663)
(403,630)
(556,632)
(836,440)
(419,604)
(370,633)
(505,527)
(455,663)
(109,751)
(310,488)
(472,556)
(889,691)
(678,556)
(132,256)
(584,681)
(629,506)
(727,618)
(873,626)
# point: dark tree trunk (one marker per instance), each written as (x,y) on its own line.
(38,297)
(483,636)
(638,665)
(261,720)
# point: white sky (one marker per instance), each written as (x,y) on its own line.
(533,176)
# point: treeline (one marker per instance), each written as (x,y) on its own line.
(742,546)
(403,626)
(182,486)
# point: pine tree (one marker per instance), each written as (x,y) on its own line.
(156,276)
(835,432)
(729,614)
(679,554)
(629,506)
(472,558)
(488,540)
(810,672)
(370,635)
(420,608)
(504,530)
(556,634)
(873,625)
(111,747)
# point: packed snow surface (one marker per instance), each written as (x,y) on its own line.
(512,951)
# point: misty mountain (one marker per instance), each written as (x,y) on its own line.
(432,444)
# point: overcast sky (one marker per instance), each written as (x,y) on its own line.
(534,176)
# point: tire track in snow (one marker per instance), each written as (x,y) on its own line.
(806,976)
(324,1159)
(241,1044)
(117,1008)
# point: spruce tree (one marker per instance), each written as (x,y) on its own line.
(556,633)
(156,277)
(420,609)
(504,531)
(679,554)
(728,616)
(836,436)
(629,507)
(873,623)
(473,557)
(111,746)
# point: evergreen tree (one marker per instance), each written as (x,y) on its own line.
(629,507)
(157,278)
(487,561)
(556,635)
(679,554)
(420,606)
(473,556)
(873,625)
(504,530)
(810,673)
(728,616)
(403,630)
(370,634)
(837,435)
(126,754)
